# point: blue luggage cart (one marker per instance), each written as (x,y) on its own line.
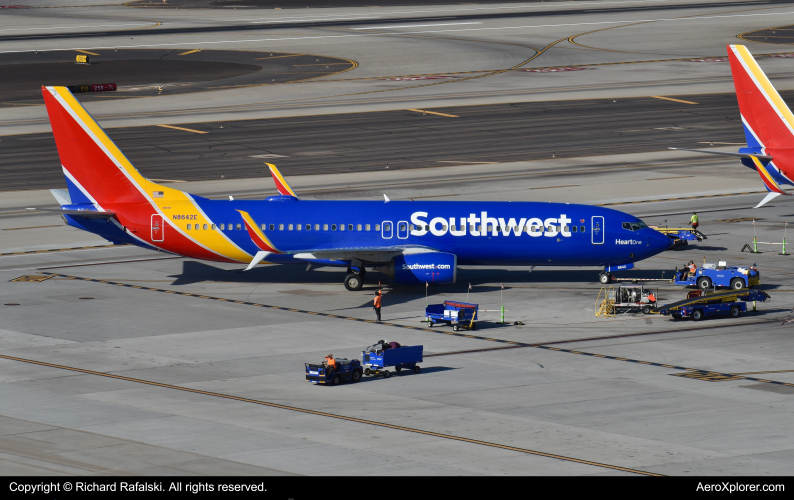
(376,363)
(461,313)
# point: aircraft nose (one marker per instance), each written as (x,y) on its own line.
(659,242)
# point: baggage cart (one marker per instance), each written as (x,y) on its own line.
(462,314)
(378,363)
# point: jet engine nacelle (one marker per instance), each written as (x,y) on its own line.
(431,267)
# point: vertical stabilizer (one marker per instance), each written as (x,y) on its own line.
(768,122)
(96,170)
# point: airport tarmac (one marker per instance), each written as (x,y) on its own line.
(118,360)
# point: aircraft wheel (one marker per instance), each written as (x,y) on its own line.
(735,311)
(353,282)
(737,283)
(704,283)
(604,278)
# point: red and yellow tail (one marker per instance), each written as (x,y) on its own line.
(767,119)
(88,156)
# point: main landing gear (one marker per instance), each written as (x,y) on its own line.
(604,278)
(354,281)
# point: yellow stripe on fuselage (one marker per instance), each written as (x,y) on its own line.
(761,78)
(172,203)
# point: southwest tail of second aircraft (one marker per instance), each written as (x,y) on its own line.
(768,124)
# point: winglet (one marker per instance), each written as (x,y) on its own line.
(281,183)
(771,184)
(257,236)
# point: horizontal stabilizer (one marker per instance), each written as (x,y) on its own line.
(724,153)
(88,214)
(61,196)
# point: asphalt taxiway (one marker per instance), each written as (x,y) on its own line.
(117,360)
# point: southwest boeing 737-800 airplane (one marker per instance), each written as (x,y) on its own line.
(411,242)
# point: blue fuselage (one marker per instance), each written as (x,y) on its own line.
(479,233)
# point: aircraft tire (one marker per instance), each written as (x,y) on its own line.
(604,278)
(353,282)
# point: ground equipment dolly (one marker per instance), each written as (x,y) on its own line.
(377,363)
(461,313)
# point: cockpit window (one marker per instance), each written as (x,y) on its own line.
(634,226)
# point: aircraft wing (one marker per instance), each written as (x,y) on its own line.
(365,254)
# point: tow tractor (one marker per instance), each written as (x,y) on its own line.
(713,275)
(699,305)
(347,369)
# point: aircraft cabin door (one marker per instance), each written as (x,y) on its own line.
(387,231)
(402,230)
(158,227)
(597,230)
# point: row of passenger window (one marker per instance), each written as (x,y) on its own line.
(367,227)
(289,227)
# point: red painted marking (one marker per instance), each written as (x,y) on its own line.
(412,78)
(554,70)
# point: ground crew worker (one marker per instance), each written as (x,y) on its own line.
(694,220)
(330,362)
(376,305)
(692,267)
